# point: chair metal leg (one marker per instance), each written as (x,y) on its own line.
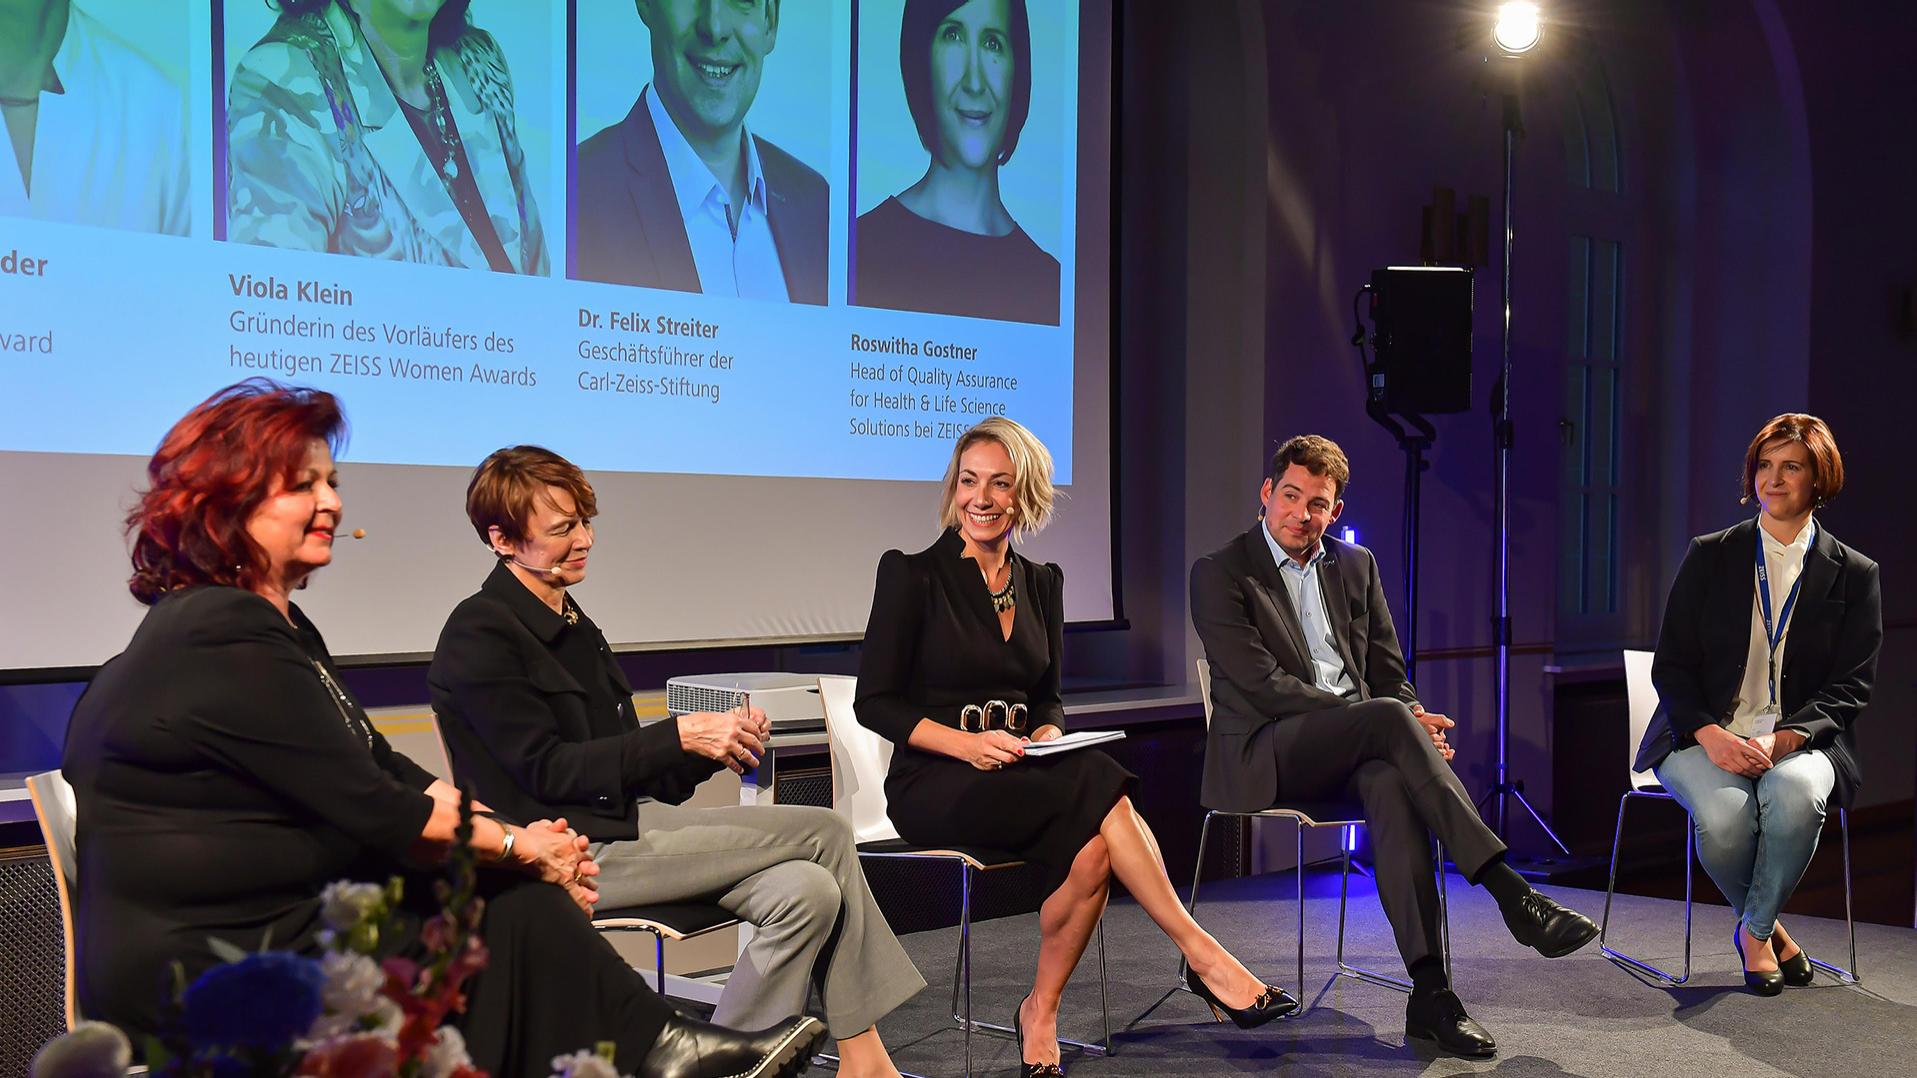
(659,956)
(1191,900)
(1298,829)
(965,958)
(1346,969)
(1845,976)
(1444,913)
(1104,989)
(1610,888)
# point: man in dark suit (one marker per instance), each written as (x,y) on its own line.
(679,195)
(1310,703)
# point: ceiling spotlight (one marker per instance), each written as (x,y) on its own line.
(1518,27)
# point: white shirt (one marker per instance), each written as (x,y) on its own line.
(742,262)
(1308,599)
(109,144)
(1782,563)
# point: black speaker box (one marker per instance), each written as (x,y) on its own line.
(1421,339)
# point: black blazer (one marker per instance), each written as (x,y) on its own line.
(1261,669)
(1830,652)
(520,729)
(221,783)
(630,232)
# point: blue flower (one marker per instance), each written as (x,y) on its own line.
(262,1001)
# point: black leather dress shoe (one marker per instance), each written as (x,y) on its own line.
(1439,1017)
(689,1049)
(1539,922)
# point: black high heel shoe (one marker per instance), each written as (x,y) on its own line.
(1796,969)
(1027,1069)
(1762,982)
(1272,1003)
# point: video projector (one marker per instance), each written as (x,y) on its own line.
(790,701)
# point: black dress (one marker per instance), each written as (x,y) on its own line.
(905,262)
(933,645)
(221,782)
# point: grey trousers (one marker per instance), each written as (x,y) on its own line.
(1377,752)
(790,871)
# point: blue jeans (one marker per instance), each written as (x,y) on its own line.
(1755,836)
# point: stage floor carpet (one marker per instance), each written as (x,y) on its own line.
(1579,1015)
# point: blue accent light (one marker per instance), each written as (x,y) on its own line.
(1349,534)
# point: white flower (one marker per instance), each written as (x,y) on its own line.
(386,1017)
(350,992)
(447,1055)
(344,904)
(584,1064)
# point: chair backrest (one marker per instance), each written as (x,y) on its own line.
(1642,696)
(53,806)
(860,759)
(1204,688)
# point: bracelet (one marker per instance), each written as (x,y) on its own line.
(506,847)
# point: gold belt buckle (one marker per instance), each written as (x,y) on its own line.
(972,719)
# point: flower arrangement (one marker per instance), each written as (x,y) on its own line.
(360,1009)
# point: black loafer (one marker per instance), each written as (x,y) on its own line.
(1539,922)
(1439,1017)
(689,1049)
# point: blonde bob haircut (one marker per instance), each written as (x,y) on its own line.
(1032,492)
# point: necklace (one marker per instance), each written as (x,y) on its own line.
(1007,597)
(441,115)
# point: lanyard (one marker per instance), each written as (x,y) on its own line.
(1774,637)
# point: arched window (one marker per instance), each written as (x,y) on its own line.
(1596,359)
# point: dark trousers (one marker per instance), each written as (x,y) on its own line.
(1376,752)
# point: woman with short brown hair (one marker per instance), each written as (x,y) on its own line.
(1765,660)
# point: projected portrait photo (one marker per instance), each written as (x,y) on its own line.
(959,192)
(703,148)
(388,129)
(94,97)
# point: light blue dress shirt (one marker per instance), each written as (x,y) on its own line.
(741,261)
(1308,599)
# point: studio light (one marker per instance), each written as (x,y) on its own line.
(1518,27)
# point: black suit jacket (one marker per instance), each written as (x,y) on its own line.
(1830,650)
(1261,669)
(630,232)
(521,734)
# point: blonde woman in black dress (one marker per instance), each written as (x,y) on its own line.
(967,621)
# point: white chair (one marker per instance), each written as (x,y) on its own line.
(1642,698)
(1306,816)
(860,760)
(676,921)
(53,806)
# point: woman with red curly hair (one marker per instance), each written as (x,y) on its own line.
(224,775)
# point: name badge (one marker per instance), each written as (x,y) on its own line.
(1764,722)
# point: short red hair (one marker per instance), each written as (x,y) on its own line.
(212,470)
(1827,464)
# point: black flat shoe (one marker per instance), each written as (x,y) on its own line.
(1439,1017)
(1796,969)
(1272,1003)
(1762,982)
(1026,1068)
(1553,930)
(690,1049)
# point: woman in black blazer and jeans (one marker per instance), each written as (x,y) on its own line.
(1766,658)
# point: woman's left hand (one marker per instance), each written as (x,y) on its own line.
(1047,732)
(1779,744)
